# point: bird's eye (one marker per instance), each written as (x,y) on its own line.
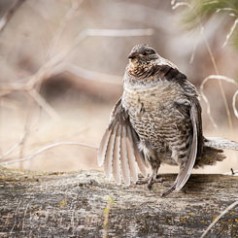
(149,52)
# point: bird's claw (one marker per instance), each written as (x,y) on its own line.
(150,181)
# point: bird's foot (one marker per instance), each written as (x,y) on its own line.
(150,181)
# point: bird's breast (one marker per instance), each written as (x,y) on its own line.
(144,100)
(152,111)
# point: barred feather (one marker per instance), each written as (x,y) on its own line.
(221,143)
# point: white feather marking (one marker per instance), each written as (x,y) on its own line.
(124,159)
(131,157)
(110,153)
(103,147)
(117,157)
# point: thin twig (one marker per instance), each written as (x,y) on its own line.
(176,5)
(228,36)
(63,25)
(234,104)
(218,218)
(48,147)
(11,149)
(227,9)
(9,14)
(91,75)
(27,131)
(45,106)
(60,58)
(119,32)
(219,81)
(219,78)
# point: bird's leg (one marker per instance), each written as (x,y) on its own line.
(151,156)
(153,178)
(180,175)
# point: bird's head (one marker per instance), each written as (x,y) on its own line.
(142,54)
(142,59)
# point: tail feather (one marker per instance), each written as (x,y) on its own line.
(221,143)
(213,151)
(210,156)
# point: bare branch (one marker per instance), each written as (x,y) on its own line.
(57,62)
(176,5)
(60,58)
(11,149)
(63,24)
(42,103)
(9,14)
(27,131)
(91,75)
(119,32)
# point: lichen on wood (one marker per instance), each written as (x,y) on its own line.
(85,204)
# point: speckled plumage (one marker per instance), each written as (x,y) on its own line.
(157,120)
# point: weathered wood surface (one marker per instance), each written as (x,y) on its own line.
(83,204)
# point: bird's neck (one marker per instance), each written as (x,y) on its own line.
(150,75)
(143,75)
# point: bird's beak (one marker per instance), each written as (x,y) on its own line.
(132,55)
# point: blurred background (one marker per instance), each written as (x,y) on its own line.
(62,64)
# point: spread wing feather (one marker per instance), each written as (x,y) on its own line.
(117,157)
(139,157)
(103,147)
(110,152)
(125,169)
(186,171)
(131,156)
(118,150)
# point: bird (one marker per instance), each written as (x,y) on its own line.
(156,121)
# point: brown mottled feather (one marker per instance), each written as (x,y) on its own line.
(140,161)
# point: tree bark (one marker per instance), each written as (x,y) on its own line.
(85,204)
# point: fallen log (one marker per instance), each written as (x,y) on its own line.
(84,204)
